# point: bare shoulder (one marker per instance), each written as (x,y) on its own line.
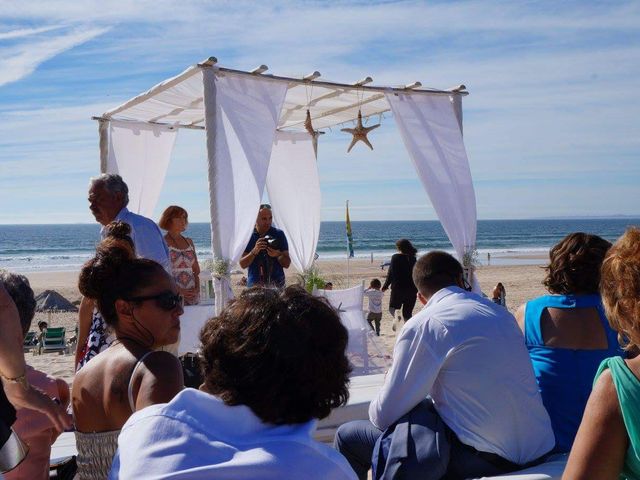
(601,443)
(162,362)
(520,316)
(604,395)
(162,379)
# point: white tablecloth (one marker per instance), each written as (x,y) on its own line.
(191,322)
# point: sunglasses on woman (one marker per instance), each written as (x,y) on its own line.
(165,300)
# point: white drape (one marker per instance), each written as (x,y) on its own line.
(241,115)
(293,187)
(432,135)
(140,154)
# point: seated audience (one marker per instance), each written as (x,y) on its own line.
(567,333)
(465,353)
(34,428)
(607,446)
(182,253)
(139,300)
(273,362)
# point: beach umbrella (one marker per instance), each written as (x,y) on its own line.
(51,301)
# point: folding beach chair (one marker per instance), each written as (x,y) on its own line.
(53,340)
(30,341)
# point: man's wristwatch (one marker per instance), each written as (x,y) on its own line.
(20,380)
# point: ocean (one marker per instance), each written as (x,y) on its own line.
(66,247)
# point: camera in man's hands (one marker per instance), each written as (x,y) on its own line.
(272,242)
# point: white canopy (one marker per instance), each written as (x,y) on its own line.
(179,101)
(246,116)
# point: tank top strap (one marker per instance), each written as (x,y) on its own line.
(132,404)
(532,313)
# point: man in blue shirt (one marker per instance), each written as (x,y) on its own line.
(267,253)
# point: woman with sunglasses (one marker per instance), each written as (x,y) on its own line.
(138,299)
(94,336)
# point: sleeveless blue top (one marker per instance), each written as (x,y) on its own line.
(565,376)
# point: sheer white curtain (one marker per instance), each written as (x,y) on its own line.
(140,154)
(431,132)
(241,115)
(293,187)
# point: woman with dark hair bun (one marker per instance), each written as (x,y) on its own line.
(94,335)
(273,362)
(567,333)
(138,299)
(399,278)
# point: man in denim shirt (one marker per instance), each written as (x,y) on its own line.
(267,253)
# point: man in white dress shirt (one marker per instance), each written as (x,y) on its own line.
(468,355)
(108,200)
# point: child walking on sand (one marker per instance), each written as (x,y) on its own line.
(374,294)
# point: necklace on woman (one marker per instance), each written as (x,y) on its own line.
(175,239)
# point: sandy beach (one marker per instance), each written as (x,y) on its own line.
(522,282)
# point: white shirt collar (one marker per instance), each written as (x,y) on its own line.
(442,293)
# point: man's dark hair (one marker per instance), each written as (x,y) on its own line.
(436,270)
(281,353)
(22,295)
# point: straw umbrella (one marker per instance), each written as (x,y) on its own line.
(51,301)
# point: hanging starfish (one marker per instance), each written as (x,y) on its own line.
(360,133)
(314,133)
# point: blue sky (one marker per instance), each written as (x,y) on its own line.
(551,122)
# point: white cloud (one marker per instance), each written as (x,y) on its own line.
(21,60)
(26,32)
(551,88)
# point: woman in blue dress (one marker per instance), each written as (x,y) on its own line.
(567,333)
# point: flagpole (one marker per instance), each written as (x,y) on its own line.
(348,251)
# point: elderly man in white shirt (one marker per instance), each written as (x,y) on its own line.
(468,355)
(108,200)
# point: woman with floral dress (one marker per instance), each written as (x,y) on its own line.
(182,253)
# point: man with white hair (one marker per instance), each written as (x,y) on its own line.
(108,200)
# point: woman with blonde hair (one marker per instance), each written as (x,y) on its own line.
(182,253)
(608,442)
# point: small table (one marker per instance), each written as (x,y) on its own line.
(191,322)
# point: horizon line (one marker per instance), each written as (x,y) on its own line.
(578,217)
